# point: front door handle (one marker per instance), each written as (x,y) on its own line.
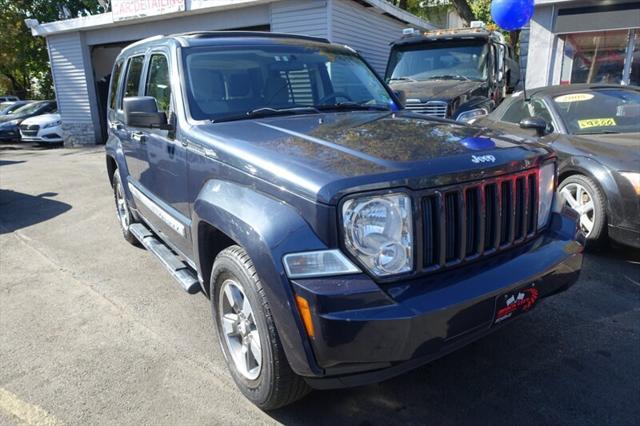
(139,137)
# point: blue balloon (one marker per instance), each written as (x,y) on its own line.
(511,15)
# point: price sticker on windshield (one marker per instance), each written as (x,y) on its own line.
(574,97)
(596,122)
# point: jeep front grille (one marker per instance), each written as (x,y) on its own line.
(432,108)
(466,222)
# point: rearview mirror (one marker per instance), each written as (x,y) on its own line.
(402,96)
(536,123)
(142,111)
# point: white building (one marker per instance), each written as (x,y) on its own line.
(83,50)
(578,41)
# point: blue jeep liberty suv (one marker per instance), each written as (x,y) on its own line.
(340,239)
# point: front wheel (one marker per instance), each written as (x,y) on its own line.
(583,195)
(125,218)
(247,334)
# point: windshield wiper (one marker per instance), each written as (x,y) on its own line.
(402,79)
(449,77)
(352,106)
(267,112)
(599,132)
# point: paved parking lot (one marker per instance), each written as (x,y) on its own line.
(93,331)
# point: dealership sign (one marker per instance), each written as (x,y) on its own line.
(130,9)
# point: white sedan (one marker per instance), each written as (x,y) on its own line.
(46,128)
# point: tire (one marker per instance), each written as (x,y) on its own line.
(123,213)
(581,191)
(272,383)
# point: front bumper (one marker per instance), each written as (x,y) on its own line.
(365,332)
(47,135)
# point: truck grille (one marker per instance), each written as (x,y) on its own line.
(432,108)
(474,220)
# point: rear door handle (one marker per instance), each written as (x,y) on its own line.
(139,137)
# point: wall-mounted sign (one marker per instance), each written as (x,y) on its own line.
(131,9)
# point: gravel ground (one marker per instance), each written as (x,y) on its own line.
(94,331)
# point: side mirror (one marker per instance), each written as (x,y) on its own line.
(142,111)
(402,96)
(536,123)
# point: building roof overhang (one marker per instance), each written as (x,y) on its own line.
(106,20)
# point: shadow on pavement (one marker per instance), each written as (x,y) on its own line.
(9,162)
(18,210)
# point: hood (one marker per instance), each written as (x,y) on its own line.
(323,156)
(11,117)
(42,119)
(437,89)
(620,151)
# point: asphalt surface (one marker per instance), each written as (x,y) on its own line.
(94,331)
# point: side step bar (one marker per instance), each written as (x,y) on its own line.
(176,267)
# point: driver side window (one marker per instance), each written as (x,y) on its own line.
(516,112)
(520,110)
(158,85)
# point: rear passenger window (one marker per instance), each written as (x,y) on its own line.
(134,71)
(113,89)
(158,82)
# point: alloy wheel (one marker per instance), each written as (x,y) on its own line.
(579,199)
(122,210)
(240,330)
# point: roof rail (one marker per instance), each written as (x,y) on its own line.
(144,40)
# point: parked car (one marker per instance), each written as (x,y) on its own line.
(461,74)
(341,240)
(44,129)
(9,124)
(9,98)
(596,131)
(9,107)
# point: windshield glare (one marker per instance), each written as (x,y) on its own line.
(29,108)
(229,82)
(443,61)
(600,111)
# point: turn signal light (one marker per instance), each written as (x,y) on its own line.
(305,314)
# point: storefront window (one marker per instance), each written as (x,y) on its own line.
(600,57)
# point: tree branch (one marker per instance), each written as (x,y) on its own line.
(464,10)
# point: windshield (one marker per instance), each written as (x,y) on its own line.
(29,108)
(600,111)
(243,81)
(468,62)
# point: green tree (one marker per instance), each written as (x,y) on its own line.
(24,61)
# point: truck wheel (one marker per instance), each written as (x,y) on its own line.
(247,334)
(584,195)
(125,218)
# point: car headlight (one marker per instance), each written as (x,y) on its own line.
(379,232)
(54,124)
(634,179)
(472,115)
(546,189)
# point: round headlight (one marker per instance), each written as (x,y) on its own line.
(374,223)
(378,230)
